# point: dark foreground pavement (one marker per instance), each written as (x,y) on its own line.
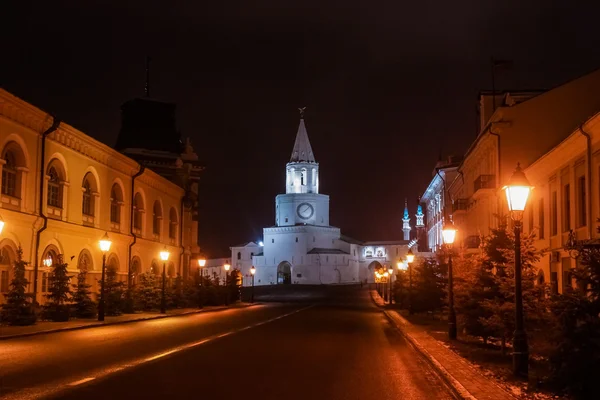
(341,348)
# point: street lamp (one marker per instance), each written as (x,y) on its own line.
(252,272)
(449,234)
(410,257)
(1,224)
(201,264)
(517,192)
(226,267)
(104,247)
(391,272)
(164,256)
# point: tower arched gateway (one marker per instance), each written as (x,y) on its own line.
(284,273)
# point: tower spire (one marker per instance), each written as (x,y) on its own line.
(406,221)
(302,151)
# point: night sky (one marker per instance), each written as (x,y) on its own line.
(388,85)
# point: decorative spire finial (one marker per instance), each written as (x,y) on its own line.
(301,109)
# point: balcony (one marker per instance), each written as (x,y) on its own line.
(460,205)
(484,182)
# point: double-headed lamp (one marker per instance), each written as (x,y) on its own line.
(517,192)
(105,243)
(253,270)
(410,256)
(201,262)
(226,266)
(449,233)
(164,254)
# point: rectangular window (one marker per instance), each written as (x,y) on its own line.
(9,182)
(541,218)
(115,212)
(581,209)
(137,219)
(54,195)
(86,206)
(567,208)
(4,281)
(554,222)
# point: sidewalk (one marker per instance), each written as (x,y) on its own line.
(465,379)
(42,327)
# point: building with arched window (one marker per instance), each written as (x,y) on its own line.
(61,190)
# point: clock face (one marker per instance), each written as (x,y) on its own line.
(305,211)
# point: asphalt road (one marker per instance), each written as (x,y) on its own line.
(339,348)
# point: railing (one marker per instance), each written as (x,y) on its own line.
(485,182)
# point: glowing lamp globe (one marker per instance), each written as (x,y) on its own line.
(253,270)
(105,243)
(449,233)
(410,256)
(386,274)
(1,224)
(401,265)
(517,192)
(391,271)
(201,262)
(226,266)
(164,255)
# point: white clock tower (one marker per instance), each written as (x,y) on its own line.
(302,204)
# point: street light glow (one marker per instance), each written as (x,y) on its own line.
(226,266)
(410,256)
(47,261)
(517,192)
(253,270)
(391,270)
(1,224)
(201,262)
(105,243)
(449,233)
(261,244)
(164,255)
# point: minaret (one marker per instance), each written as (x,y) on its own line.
(420,216)
(406,221)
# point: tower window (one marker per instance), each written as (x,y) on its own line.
(272,240)
(296,240)
(239,255)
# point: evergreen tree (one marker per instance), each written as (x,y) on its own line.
(401,289)
(429,285)
(114,293)
(576,340)
(18,310)
(84,305)
(176,298)
(501,307)
(234,285)
(59,296)
(147,292)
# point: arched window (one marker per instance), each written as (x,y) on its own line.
(154,268)
(9,175)
(116,199)
(239,255)
(172,224)
(138,211)
(87,205)
(303,177)
(54,188)
(84,262)
(156,218)
(136,267)
(7,257)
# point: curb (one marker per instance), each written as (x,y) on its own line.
(457,388)
(129,321)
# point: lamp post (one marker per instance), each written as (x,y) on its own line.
(226,267)
(410,257)
(104,247)
(164,256)
(386,276)
(252,272)
(402,266)
(201,264)
(517,192)
(448,235)
(391,272)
